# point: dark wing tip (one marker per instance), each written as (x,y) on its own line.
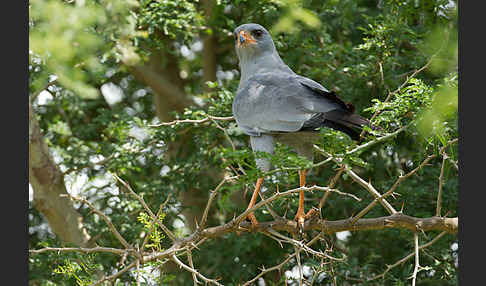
(345,105)
(350,107)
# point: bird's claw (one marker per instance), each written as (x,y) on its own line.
(311,213)
(300,218)
(253,220)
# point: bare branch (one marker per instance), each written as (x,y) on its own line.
(371,190)
(104,217)
(331,185)
(392,189)
(164,228)
(191,264)
(368,186)
(441,181)
(117,274)
(377,140)
(441,176)
(213,194)
(389,267)
(80,249)
(194,271)
(417,264)
(297,250)
(206,119)
(397,220)
(279,266)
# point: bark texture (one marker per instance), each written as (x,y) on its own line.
(48,184)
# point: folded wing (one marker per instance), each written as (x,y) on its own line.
(283,102)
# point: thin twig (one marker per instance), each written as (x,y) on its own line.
(194,271)
(138,269)
(213,194)
(206,119)
(389,267)
(441,181)
(145,206)
(407,80)
(191,264)
(228,138)
(279,266)
(104,217)
(297,250)
(417,264)
(391,190)
(301,245)
(242,216)
(80,249)
(116,275)
(331,185)
(376,141)
(269,207)
(368,186)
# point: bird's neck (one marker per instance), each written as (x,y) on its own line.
(256,64)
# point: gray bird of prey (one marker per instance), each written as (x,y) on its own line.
(274,104)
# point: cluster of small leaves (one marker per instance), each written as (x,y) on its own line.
(404,106)
(173,20)
(156,236)
(81,271)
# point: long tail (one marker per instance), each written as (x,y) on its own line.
(342,120)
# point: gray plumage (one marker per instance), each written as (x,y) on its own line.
(275,104)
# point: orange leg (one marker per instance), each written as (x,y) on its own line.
(254,197)
(300,217)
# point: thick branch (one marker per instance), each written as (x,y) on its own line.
(47,181)
(397,220)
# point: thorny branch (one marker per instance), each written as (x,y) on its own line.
(417,264)
(389,267)
(185,245)
(207,119)
(105,218)
(166,230)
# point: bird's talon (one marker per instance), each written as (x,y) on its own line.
(253,220)
(312,212)
(300,218)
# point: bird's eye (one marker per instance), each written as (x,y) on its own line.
(257,33)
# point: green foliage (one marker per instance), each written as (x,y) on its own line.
(175,19)
(77,270)
(363,50)
(293,12)
(156,236)
(437,119)
(404,106)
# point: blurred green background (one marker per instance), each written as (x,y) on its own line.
(102,71)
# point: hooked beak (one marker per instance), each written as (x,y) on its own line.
(245,38)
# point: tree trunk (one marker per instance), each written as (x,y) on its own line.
(48,184)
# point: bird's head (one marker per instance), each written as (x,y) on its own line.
(252,40)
